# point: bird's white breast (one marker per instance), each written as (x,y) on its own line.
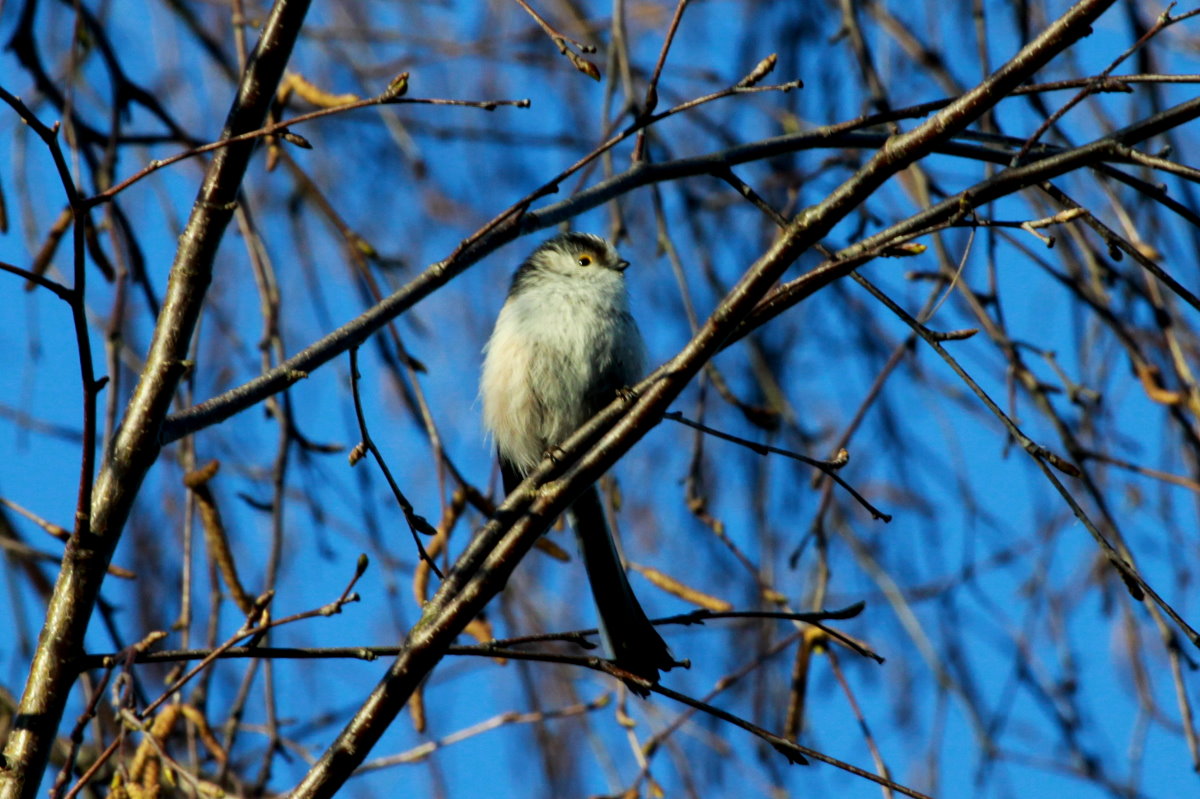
(555,344)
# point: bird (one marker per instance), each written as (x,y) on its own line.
(563,346)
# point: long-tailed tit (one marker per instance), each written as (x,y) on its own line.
(563,346)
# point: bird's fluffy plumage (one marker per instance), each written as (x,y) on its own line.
(563,345)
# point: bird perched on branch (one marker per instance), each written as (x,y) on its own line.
(564,344)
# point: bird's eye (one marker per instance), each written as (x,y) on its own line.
(585,260)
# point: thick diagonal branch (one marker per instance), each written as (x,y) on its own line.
(136,445)
(486,564)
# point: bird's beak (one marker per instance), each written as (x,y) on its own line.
(622,265)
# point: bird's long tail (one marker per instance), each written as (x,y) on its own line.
(630,640)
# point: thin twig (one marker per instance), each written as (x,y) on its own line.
(828,468)
(417,524)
